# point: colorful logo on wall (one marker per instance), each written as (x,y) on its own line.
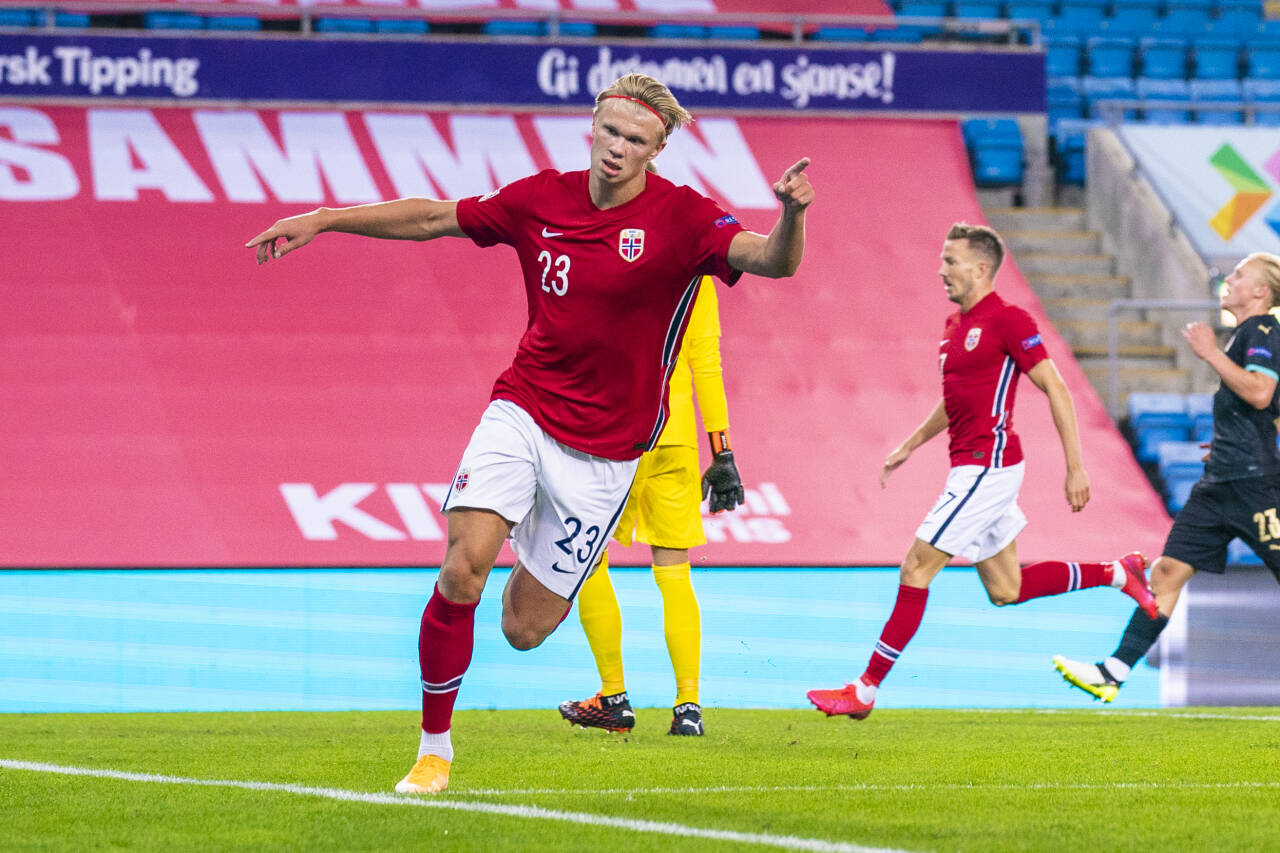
(1252,192)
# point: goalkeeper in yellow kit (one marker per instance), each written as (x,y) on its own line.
(663,512)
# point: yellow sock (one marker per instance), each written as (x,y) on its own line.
(602,622)
(683,626)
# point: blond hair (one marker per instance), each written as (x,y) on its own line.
(983,240)
(1269,267)
(651,93)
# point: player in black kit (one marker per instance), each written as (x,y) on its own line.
(1239,494)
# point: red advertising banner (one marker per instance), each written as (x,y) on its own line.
(169,403)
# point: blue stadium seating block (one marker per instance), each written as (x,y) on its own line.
(1262,60)
(1163,57)
(1099,90)
(19,18)
(1240,554)
(1178,491)
(1062,56)
(977,10)
(1219,93)
(1029,10)
(1159,98)
(1200,410)
(899,34)
(577,29)
(1147,407)
(723,32)
(1215,58)
(841,34)
(1110,56)
(401,26)
(72,20)
(997,164)
(678,31)
(236,23)
(343,25)
(172,21)
(923,9)
(514,28)
(1180,459)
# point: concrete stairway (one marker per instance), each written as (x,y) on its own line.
(1075,281)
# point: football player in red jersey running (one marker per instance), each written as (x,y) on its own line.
(612,257)
(986,346)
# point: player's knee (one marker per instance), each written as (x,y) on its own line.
(461,582)
(1000,598)
(522,637)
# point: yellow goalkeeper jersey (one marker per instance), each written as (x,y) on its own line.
(698,368)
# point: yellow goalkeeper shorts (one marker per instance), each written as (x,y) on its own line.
(663,507)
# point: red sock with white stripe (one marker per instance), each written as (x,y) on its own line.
(898,631)
(444,652)
(1054,577)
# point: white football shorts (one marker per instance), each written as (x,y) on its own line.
(977,514)
(564,503)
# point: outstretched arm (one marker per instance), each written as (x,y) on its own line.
(934,424)
(779,254)
(402,219)
(1046,377)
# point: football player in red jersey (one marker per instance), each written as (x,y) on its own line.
(986,346)
(611,259)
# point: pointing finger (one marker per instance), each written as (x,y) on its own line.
(800,166)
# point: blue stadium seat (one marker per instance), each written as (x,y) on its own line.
(1163,57)
(577,29)
(841,34)
(1262,59)
(1189,15)
(1069,149)
(1263,93)
(516,28)
(1200,410)
(923,9)
(1097,90)
(976,10)
(901,34)
(72,20)
(678,31)
(1215,58)
(1029,10)
(401,26)
(237,23)
(1063,100)
(1238,16)
(19,18)
(172,21)
(343,25)
(1220,92)
(1178,490)
(725,32)
(1135,15)
(1240,554)
(995,151)
(1062,56)
(1180,460)
(1155,417)
(1153,92)
(1110,56)
(1082,15)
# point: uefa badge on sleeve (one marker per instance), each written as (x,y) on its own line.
(631,243)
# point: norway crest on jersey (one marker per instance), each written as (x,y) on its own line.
(971,339)
(631,243)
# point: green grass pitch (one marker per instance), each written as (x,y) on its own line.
(912,780)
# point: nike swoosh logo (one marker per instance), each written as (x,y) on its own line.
(546,233)
(555,567)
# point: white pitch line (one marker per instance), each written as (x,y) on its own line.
(788,842)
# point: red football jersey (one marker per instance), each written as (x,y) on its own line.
(610,292)
(983,352)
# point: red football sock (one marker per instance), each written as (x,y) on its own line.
(898,631)
(444,653)
(1054,577)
